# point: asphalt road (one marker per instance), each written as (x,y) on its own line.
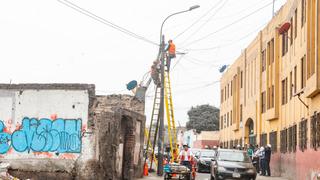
(203,176)
(206,176)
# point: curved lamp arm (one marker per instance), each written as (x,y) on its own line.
(190,9)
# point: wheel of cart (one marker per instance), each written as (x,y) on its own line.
(179,176)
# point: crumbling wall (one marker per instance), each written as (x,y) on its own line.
(120,141)
(64,131)
(46,128)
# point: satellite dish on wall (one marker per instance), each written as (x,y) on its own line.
(224,67)
(132,84)
(284,28)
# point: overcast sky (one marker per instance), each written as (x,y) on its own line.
(48,42)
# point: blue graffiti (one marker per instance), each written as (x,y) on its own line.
(44,135)
(4,139)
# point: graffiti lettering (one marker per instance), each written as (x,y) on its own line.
(44,135)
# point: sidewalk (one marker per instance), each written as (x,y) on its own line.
(269,178)
(152,176)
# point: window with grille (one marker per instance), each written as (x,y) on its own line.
(295,80)
(295,23)
(236,142)
(240,112)
(315,131)
(263,139)
(225,93)
(271,51)
(273,141)
(272,96)
(294,138)
(303,72)
(221,98)
(284,43)
(231,144)
(290,140)
(228,119)
(231,118)
(291,31)
(231,88)
(283,141)
(263,60)
(284,91)
(303,132)
(303,12)
(241,79)
(263,102)
(291,85)
(225,121)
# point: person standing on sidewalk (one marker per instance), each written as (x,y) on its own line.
(267,155)
(250,151)
(262,160)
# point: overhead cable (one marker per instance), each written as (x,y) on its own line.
(197,30)
(230,24)
(230,43)
(106,22)
(195,22)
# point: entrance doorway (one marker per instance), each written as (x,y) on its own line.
(250,132)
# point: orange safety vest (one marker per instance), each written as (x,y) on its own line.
(182,158)
(172,48)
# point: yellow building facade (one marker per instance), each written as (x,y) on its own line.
(271,93)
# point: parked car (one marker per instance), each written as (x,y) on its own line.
(234,164)
(203,160)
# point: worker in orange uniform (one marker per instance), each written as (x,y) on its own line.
(171,48)
(175,155)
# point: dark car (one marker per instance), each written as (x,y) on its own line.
(203,160)
(232,164)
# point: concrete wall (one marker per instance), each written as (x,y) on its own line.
(64,131)
(200,140)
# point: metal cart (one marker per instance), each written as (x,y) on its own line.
(177,171)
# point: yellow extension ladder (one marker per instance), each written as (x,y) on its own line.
(154,124)
(172,132)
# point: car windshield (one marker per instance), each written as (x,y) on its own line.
(233,156)
(207,154)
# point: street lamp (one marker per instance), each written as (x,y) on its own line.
(161,109)
(190,9)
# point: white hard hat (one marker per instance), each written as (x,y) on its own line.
(269,145)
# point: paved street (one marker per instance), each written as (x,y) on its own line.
(206,176)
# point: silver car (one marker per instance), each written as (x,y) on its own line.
(232,164)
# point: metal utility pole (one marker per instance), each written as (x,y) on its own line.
(273,1)
(161,55)
(161,112)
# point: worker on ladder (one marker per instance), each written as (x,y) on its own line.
(171,48)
